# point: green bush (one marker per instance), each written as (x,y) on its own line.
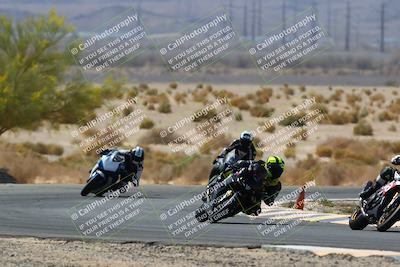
(165,107)
(146,124)
(363,128)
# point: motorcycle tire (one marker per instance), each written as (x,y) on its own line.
(91,186)
(358,221)
(385,223)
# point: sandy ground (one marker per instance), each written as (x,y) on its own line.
(40,252)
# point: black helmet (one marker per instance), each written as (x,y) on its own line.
(274,167)
(246,138)
(137,154)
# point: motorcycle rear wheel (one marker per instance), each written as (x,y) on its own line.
(358,221)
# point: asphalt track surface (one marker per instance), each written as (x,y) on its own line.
(157,213)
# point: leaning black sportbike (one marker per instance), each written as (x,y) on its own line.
(226,197)
(382,208)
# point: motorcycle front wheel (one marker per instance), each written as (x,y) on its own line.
(390,216)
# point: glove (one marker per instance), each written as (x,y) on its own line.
(396,160)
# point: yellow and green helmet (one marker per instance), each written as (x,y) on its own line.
(274,166)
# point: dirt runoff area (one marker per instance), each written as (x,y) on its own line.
(47,252)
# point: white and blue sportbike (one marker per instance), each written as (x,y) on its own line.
(107,174)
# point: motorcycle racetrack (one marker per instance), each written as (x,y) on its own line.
(162,214)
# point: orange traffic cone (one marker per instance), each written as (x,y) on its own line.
(300,200)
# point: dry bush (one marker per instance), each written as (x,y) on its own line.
(287,90)
(353,99)
(152,91)
(379,97)
(263,95)
(387,116)
(292,119)
(318,98)
(394,107)
(337,95)
(302,88)
(180,98)
(238,116)
(205,115)
(200,95)
(323,109)
(155,99)
(261,111)
(324,151)
(27,166)
(151,107)
(301,135)
(164,107)
(143,87)
(290,152)
(392,128)
(240,102)
(133,92)
(223,93)
(173,85)
(340,117)
(363,128)
(146,123)
(154,137)
(45,149)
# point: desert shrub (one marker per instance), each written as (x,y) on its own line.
(379,97)
(143,87)
(394,107)
(337,95)
(154,137)
(215,144)
(223,93)
(290,152)
(45,149)
(240,102)
(260,111)
(200,95)
(392,128)
(386,116)
(151,107)
(238,116)
(302,88)
(287,90)
(202,116)
(339,118)
(323,151)
(164,107)
(146,123)
(209,87)
(133,92)
(263,95)
(363,128)
(353,99)
(321,107)
(180,98)
(294,120)
(301,135)
(367,92)
(152,91)
(173,85)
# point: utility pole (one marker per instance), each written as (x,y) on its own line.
(253,21)
(329,18)
(231,9)
(382,41)
(259,18)
(347,40)
(245,19)
(283,19)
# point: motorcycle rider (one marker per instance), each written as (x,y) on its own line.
(244,150)
(260,179)
(386,175)
(132,168)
